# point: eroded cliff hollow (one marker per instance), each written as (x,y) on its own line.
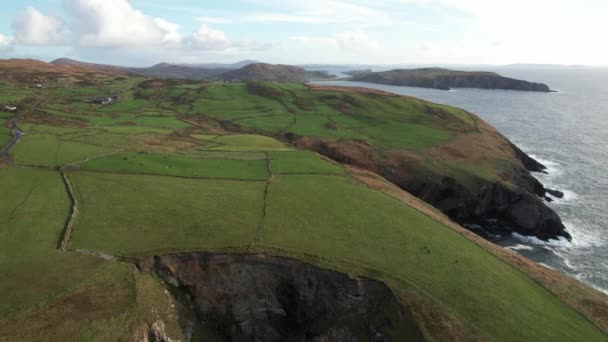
(240,297)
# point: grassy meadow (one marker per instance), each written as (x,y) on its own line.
(176,167)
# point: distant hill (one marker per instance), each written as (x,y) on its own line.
(166,70)
(103,67)
(445,79)
(29,72)
(162,70)
(273,73)
(236,65)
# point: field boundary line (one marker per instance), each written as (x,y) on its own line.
(172,176)
(88,159)
(260,228)
(67,232)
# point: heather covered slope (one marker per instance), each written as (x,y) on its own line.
(183,167)
(445,79)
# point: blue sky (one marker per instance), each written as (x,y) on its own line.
(143,32)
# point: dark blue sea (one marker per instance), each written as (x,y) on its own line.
(568,132)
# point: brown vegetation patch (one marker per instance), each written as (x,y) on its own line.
(54,120)
(358,153)
(437,324)
(62,319)
(358,90)
(31,65)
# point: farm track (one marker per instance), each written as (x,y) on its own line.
(17,133)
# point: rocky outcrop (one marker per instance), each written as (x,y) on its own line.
(242,297)
(154,332)
(444,79)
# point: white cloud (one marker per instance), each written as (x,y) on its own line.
(115,23)
(34,28)
(6,43)
(354,41)
(323,11)
(288,18)
(215,20)
(206,38)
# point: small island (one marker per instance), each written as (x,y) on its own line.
(445,79)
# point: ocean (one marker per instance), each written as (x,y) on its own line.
(567,131)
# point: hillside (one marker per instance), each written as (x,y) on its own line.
(219,211)
(444,79)
(227,66)
(273,73)
(161,70)
(175,71)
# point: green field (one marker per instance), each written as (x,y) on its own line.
(156,164)
(33,209)
(46,149)
(5,132)
(195,214)
(181,166)
(303,162)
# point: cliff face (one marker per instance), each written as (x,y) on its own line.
(444,79)
(511,200)
(262,298)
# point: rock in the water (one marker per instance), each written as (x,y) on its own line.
(555,193)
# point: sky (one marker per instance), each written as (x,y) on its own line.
(440,32)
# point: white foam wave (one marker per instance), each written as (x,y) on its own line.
(584,238)
(532,240)
(569,196)
(553,168)
(520,247)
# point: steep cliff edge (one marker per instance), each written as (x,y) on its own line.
(444,79)
(246,297)
(478,178)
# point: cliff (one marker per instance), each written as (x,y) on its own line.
(445,79)
(478,178)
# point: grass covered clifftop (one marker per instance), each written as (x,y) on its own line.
(183,167)
(445,79)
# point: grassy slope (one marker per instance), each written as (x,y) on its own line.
(314,210)
(392,238)
(121,214)
(33,210)
(157,164)
(328,216)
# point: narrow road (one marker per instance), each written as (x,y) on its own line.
(16,132)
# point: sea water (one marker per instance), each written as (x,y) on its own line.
(567,131)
